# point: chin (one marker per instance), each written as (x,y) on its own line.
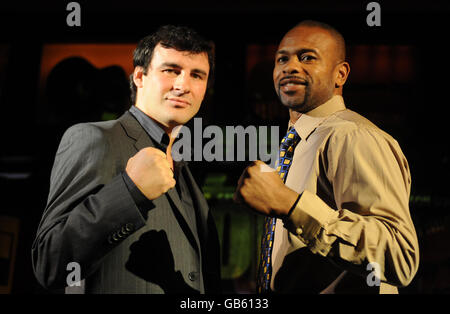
(296,105)
(181,115)
(178,119)
(299,104)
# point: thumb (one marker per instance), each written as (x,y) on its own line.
(169,155)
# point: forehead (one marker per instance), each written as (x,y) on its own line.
(185,59)
(306,37)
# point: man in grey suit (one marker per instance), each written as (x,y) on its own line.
(119,207)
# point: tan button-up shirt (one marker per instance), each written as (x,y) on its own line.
(351,230)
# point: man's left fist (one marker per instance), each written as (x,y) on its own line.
(261,188)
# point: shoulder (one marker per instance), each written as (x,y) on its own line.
(90,135)
(96,128)
(349,131)
(351,125)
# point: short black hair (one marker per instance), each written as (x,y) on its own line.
(180,38)
(340,41)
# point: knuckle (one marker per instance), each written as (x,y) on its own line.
(146,150)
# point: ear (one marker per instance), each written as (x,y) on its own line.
(342,72)
(138,76)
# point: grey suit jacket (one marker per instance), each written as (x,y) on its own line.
(92,219)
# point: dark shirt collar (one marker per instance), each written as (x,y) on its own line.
(151,127)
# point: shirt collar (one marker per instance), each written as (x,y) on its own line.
(151,127)
(309,121)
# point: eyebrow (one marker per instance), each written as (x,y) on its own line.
(300,51)
(177,66)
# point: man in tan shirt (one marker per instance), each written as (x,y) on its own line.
(343,222)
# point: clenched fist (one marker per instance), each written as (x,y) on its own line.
(262,189)
(151,172)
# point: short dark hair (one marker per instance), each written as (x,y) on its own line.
(340,41)
(180,38)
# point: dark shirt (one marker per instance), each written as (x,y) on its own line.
(161,141)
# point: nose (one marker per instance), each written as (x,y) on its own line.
(292,66)
(181,85)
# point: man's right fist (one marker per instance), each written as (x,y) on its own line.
(150,171)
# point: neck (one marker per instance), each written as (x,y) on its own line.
(169,130)
(294,115)
(166,127)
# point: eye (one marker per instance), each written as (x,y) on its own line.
(282,59)
(197,76)
(307,58)
(171,71)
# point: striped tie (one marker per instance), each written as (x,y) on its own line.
(287,147)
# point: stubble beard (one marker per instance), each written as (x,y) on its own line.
(296,103)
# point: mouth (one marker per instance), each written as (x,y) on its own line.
(179,102)
(292,83)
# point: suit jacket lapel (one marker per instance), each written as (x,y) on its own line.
(142,140)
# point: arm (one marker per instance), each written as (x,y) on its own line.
(370,183)
(88,202)
(372,224)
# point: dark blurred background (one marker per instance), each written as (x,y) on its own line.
(53,75)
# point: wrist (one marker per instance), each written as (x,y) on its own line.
(287,200)
(293,206)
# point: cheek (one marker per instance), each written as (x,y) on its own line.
(164,84)
(275,74)
(321,78)
(274,77)
(160,84)
(199,92)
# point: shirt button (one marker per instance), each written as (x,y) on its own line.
(192,276)
(299,231)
